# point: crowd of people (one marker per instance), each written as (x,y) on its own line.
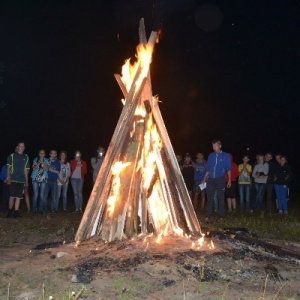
(210,182)
(48,176)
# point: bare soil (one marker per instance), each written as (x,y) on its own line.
(39,259)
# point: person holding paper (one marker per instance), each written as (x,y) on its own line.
(218,164)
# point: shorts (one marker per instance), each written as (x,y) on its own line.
(197,189)
(16,190)
(231,192)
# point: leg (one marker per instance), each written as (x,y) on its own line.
(247,189)
(17,203)
(65,199)
(229,205)
(80,197)
(202,197)
(35,186)
(59,191)
(27,199)
(42,196)
(221,195)
(269,196)
(210,190)
(75,192)
(241,194)
(47,190)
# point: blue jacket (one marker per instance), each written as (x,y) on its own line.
(218,164)
(3,174)
(56,166)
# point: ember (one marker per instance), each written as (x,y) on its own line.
(139,186)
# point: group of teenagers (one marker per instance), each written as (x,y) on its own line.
(210,182)
(48,175)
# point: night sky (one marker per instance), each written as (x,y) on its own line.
(222,69)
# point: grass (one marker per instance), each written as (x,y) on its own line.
(130,287)
(273,227)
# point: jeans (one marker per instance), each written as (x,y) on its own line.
(244,190)
(62,189)
(52,186)
(258,200)
(77,185)
(215,185)
(269,189)
(281,192)
(38,190)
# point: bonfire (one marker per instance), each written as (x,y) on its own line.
(139,188)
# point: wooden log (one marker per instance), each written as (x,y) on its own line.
(187,206)
(127,179)
(176,203)
(142,33)
(121,85)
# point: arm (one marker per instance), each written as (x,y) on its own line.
(8,181)
(229,179)
(84,167)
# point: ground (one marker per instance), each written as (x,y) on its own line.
(39,259)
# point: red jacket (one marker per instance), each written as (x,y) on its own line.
(234,170)
(73,164)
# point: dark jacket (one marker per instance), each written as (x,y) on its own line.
(283,174)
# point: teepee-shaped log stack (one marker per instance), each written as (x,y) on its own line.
(139,186)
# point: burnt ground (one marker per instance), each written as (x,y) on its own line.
(39,259)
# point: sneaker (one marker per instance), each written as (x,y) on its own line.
(280,212)
(9,213)
(54,212)
(76,211)
(65,210)
(16,214)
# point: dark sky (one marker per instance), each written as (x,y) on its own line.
(223,69)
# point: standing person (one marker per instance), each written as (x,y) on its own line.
(5,189)
(245,171)
(54,169)
(230,191)
(96,162)
(218,164)
(63,179)
(283,176)
(270,180)
(199,173)
(260,175)
(17,177)
(78,170)
(39,178)
(188,173)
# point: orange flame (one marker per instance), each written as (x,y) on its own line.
(116,183)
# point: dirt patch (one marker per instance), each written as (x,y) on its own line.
(39,259)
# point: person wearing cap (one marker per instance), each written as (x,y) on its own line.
(218,164)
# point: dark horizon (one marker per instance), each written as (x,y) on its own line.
(222,70)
